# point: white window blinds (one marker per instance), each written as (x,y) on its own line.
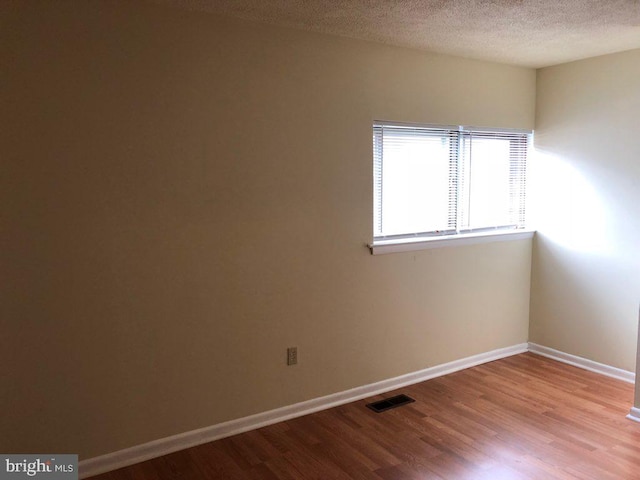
(447,180)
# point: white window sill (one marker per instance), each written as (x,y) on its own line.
(381,247)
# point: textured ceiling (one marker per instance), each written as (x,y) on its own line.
(533,33)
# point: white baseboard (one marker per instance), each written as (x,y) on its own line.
(634,414)
(601,368)
(164,446)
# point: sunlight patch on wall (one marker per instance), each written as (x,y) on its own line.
(565,207)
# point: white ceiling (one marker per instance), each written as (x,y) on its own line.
(532,33)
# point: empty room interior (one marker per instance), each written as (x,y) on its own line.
(210,268)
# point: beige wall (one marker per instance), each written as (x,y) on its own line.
(185,196)
(636,399)
(586,262)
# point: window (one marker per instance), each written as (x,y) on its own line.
(434,181)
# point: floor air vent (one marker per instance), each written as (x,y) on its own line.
(388,403)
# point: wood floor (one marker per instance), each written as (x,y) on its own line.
(523,417)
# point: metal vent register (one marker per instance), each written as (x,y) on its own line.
(389,403)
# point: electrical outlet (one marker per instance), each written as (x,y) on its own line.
(292,355)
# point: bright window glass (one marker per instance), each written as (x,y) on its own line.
(447,180)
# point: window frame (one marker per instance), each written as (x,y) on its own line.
(430,239)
